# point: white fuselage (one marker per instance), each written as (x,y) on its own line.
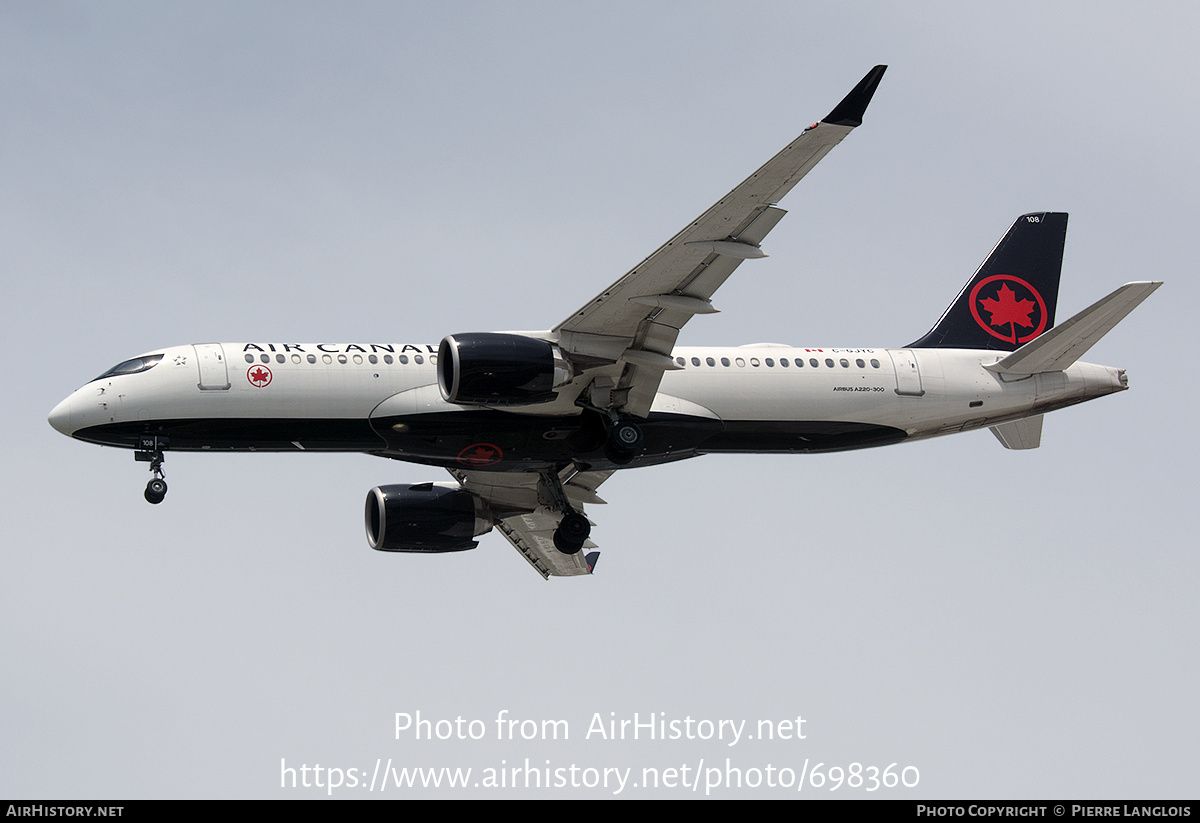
(364,397)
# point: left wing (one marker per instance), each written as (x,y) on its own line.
(634,323)
(526,514)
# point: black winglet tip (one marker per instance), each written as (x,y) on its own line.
(849,112)
(591,558)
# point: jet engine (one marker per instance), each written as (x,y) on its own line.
(488,369)
(427,517)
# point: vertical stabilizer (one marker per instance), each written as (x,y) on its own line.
(1011,298)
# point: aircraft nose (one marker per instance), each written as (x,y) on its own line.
(60,417)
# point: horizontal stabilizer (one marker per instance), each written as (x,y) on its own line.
(1060,347)
(1020,434)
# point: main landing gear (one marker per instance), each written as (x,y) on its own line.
(150,450)
(571,533)
(573,530)
(624,440)
(625,437)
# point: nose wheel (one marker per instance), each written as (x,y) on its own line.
(156,489)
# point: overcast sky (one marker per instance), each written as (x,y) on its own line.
(1010,624)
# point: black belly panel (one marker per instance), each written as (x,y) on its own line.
(800,437)
(486,439)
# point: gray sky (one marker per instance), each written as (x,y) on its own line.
(1012,624)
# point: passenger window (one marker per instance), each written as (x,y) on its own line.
(312,358)
(860,363)
(249,358)
(279,358)
(874,363)
(711,362)
(812,361)
(725,361)
(829,362)
(845,363)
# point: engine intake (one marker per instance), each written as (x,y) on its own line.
(487,369)
(427,517)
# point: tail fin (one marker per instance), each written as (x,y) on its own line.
(1011,298)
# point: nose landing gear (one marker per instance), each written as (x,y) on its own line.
(150,450)
(156,490)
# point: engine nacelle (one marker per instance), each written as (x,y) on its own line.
(487,369)
(427,517)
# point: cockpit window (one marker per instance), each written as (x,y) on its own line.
(133,366)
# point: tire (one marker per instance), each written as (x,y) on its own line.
(571,533)
(624,441)
(617,456)
(627,436)
(156,490)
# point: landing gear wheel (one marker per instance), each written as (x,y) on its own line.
(624,441)
(617,455)
(150,450)
(628,436)
(571,533)
(156,490)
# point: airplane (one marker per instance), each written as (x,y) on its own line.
(530,424)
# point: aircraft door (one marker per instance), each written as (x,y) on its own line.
(908,376)
(214,371)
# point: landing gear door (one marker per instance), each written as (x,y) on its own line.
(908,376)
(214,371)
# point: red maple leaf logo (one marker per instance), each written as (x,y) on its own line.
(1015,304)
(1006,308)
(480,454)
(259,376)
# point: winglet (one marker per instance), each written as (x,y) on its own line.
(591,558)
(849,112)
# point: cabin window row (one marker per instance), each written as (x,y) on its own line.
(783,362)
(344,359)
